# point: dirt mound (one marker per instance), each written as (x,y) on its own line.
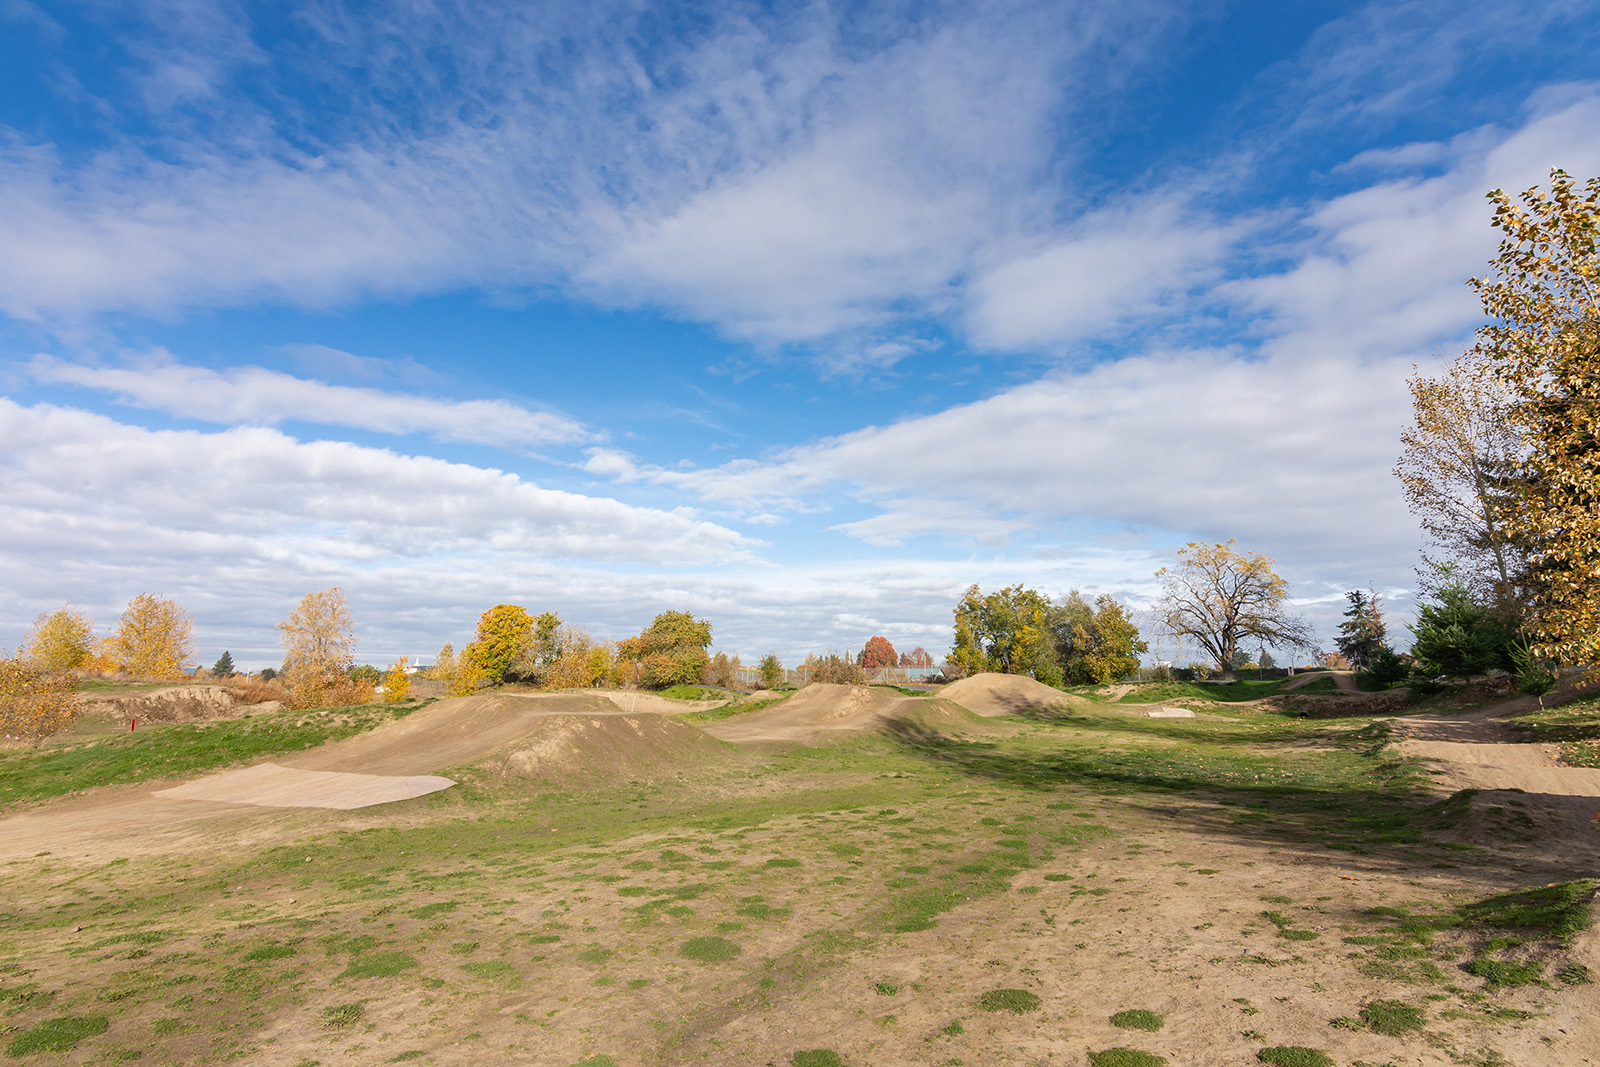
(592,750)
(823,712)
(179,703)
(452,731)
(1006,694)
(634,700)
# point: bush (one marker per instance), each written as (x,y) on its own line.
(771,671)
(1385,670)
(833,669)
(34,703)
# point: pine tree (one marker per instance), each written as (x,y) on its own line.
(1361,635)
(224,665)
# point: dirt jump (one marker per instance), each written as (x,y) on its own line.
(177,703)
(1006,694)
(824,712)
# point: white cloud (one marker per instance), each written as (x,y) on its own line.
(1134,262)
(84,490)
(257,396)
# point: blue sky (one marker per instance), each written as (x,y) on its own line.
(802,318)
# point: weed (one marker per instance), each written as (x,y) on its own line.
(886,989)
(1018,1001)
(413,1054)
(57,1035)
(342,1016)
(596,1061)
(1294,1056)
(1138,1019)
(495,969)
(955,1029)
(597,954)
(1125,1057)
(1559,911)
(709,949)
(1393,1018)
(1574,974)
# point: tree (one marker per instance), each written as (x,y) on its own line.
(1464,455)
(444,664)
(1543,342)
(397,682)
(1361,635)
(771,670)
(917,657)
(154,638)
(878,652)
(319,641)
(1007,631)
(59,641)
(1101,645)
(1266,661)
(504,633)
(1458,637)
(576,660)
(1217,597)
(670,651)
(540,651)
(224,665)
(35,703)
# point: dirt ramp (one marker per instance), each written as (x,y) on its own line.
(1007,694)
(821,713)
(178,703)
(579,751)
(268,785)
(453,731)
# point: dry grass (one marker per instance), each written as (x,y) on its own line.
(255,691)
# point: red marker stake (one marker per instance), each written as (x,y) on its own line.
(131,724)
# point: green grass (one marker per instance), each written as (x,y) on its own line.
(179,750)
(1125,1057)
(57,1035)
(1393,1018)
(1242,689)
(380,965)
(1574,726)
(1017,1001)
(817,1057)
(1138,1019)
(1559,911)
(1500,973)
(494,969)
(1294,1056)
(342,1016)
(268,952)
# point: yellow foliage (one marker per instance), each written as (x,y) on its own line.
(59,641)
(469,675)
(580,662)
(319,642)
(33,703)
(396,682)
(154,638)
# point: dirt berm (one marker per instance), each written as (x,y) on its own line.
(178,703)
(1008,694)
(577,751)
(449,732)
(821,713)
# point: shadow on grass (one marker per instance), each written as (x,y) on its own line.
(1348,800)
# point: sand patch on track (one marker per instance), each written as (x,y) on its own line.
(1007,694)
(636,702)
(603,750)
(271,786)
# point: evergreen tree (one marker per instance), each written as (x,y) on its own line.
(1361,635)
(224,665)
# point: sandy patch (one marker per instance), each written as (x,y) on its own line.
(271,786)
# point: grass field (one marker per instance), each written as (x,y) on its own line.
(1052,891)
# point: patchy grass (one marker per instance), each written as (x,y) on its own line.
(817,1057)
(1138,1019)
(1294,1056)
(1125,1057)
(709,949)
(1017,1001)
(57,1035)
(1393,1018)
(1232,692)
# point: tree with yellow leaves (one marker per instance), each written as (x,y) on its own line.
(1543,343)
(396,682)
(61,640)
(319,640)
(1216,597)
(154,638)
(35,703)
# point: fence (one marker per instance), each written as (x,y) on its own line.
(750,676)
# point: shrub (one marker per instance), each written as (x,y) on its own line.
(832,669)
(771,670)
